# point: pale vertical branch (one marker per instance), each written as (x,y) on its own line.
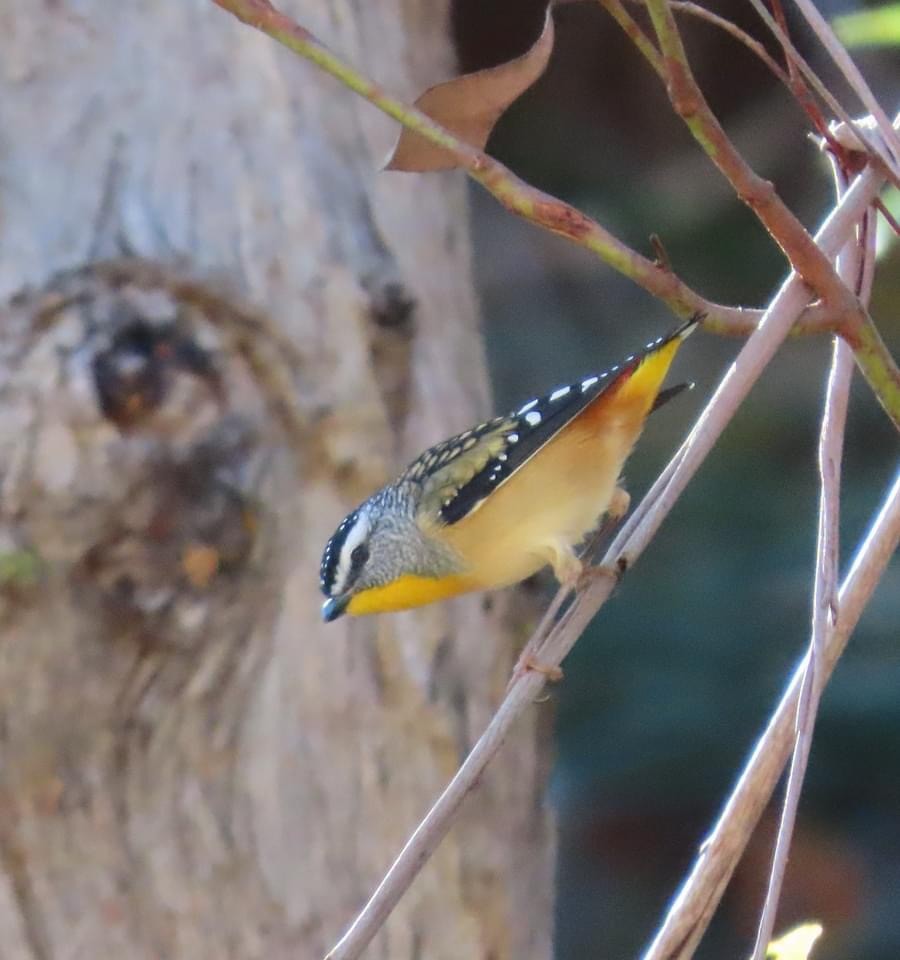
(824,604)
(824,607)
(825,583)
(696,901)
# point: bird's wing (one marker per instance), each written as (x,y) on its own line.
(458,474)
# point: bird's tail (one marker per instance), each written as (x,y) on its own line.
(641,385)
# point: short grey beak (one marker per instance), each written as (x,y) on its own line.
(334,607)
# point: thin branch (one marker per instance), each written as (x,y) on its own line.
(635,33)
(553,645)
(824,609)
(692,909)
(759,194)
(851,72)
(795,63)
(694,906)
(799,86)
(793,58)
(806,258)
(792,54)
(875,364)
(696,10)
(723,23)
(511,191)
(561,218)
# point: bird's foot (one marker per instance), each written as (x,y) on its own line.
(529,663)
(619,503)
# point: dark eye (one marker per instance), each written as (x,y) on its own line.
(358,557)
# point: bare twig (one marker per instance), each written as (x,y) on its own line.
(848,68)
(864,140)
(511,191)
(759,194)
(553,645)
(695,904)
(799,86)
(824,606)
(558,217)
(636,34)
(792,80)
(825,584)
(723,23)
(857,328)
(692,909)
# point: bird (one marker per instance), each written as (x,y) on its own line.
(494,504)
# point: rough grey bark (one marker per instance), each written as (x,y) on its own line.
(191,765)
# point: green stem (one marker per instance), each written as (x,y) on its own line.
(803,254)
(877,365)
(637,36)
(514,193)
(561,218)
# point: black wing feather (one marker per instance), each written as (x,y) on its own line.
(530,427)
(464,470)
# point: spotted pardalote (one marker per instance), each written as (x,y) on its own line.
(495,503)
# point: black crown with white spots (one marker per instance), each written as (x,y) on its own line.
(332,554)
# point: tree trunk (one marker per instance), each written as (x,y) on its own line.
(191,765)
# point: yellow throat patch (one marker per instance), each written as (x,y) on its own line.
(407,592)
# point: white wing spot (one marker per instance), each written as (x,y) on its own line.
(559,394)
(587,384)
(512,438)
(501,457)
(533,418)
(527,407)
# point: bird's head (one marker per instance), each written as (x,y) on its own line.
(379,559)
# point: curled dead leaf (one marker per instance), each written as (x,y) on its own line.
(470,105)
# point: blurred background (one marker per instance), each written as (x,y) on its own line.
(664,696)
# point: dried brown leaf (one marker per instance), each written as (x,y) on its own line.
(470,105)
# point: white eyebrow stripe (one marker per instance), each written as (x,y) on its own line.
(587,384)
(527,407)
(560,393)
(355,536)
